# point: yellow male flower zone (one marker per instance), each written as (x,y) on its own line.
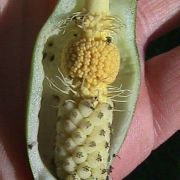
(95,63)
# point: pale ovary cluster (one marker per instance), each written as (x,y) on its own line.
(83,140)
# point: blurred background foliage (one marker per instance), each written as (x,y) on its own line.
(164,162)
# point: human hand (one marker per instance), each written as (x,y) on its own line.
(156,117)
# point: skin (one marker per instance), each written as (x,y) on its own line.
(156,116)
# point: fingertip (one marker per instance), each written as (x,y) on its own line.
(155,18)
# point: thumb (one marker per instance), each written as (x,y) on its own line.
(163,79)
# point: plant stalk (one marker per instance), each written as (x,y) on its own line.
(97,6)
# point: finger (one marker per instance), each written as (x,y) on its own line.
(3,4)
(6,168)
(163,77)
(139,141)
(155,18)
(19,28)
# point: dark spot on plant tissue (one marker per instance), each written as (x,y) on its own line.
(44,55)
(50,44)
(52,57)
(30,145)
(56,98)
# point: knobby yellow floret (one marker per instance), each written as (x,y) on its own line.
(95,63)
